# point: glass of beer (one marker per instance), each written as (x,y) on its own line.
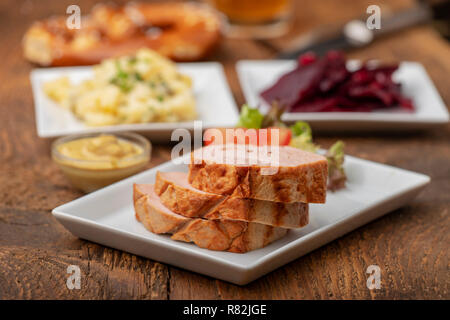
(255,18)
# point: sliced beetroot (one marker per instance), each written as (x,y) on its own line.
(296,85)
(372,90)
(336,104)
(307,58)
(335,73)
(315,105)
(325,84)
(361,76)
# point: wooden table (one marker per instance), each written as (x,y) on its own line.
(410,245)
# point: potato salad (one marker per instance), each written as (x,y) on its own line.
(142,88)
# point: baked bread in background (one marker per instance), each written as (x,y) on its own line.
(179,31)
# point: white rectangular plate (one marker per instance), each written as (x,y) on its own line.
(257,75)
(107,217)
(214,102)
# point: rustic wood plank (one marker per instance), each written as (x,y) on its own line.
(410,245)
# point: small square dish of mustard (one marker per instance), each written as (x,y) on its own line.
(93,161)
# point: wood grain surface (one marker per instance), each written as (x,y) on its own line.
(410,244)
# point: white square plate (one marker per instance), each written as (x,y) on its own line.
(214,102)
(107,217)
(257,75)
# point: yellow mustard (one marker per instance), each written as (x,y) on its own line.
(94,162)
(102,152)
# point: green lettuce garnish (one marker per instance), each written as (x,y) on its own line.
(250,118)
(302,137)
(301,128)
(336,173)
(273,117)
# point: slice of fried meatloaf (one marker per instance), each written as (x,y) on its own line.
(223,235)
(235,198)
(293,176)
(179,196)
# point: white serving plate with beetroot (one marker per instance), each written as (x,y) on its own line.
(430,111)
(107,217)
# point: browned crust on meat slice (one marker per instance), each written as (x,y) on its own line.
(176,194)
(303,183)
(154,220)
(216,178)
(222,235)
(244,172)
(183,199)
(279,214)
(227,235)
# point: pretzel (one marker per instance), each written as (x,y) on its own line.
(180,31)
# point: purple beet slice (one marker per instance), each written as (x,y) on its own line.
(296,85)
(325,84)
(335,72)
